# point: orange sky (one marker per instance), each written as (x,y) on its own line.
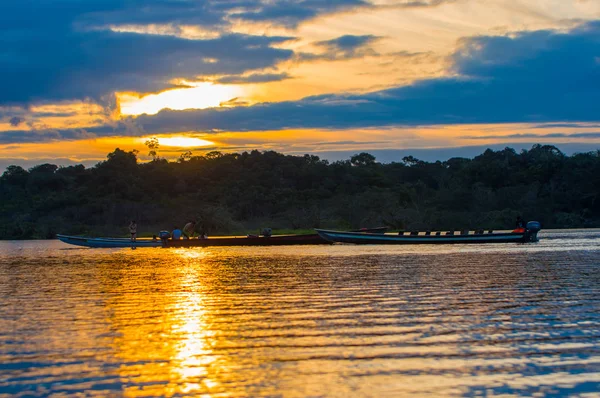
(394,46)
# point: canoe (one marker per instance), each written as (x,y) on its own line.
(107,242)
(277,240)
(362,238)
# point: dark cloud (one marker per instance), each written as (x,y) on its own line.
(566,125)
(63,49)
(15,121)
(533,77)
(533,135)
(45,135)
(253,78)
(291,12)
(343,47)
(92,64)
(419,3)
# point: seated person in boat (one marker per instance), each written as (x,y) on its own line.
(133,230)
(189,230)
(164,235)
(176,234)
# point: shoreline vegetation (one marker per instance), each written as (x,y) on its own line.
(240,193)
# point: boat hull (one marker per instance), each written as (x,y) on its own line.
(283,240)
(379,239)
(107,242)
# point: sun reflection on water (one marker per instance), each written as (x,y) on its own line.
(335,321)
(193,347)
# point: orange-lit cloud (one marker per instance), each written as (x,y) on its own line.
(201,96)
(213,60)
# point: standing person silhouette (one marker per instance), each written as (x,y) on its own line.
(133,230)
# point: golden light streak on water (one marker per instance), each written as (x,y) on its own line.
(302,321)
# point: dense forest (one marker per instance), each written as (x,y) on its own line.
(241,192)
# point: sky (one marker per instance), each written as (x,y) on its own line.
(433,78)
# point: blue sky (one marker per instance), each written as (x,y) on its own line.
(307,75)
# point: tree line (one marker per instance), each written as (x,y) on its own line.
(241,192)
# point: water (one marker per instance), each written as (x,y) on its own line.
(333,321)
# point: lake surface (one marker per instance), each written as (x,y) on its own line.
(338,321)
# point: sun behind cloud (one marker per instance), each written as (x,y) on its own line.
(202,95)
(183,142)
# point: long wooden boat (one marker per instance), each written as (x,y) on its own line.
(108,242)
(280,240)
(362,238)
(306,239)
(277,240)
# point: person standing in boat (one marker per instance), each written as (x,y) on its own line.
(189,230)
(133,230)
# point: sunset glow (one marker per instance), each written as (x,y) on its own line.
(382,74)
(183,142)
(201,96)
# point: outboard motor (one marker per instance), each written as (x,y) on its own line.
(532,228)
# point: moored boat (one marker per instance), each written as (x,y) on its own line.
(528,234)
(108,242)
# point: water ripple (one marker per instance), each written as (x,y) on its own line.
(311,321)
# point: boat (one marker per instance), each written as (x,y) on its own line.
(276,240)
(251,240)
(255,240)
(524,235)
(108,242)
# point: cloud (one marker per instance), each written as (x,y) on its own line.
(15,121)
(415,3)
(291,12)
(93,64)
(567,125)
(341,48)
(34,136)
(534,77)
(592,135)
(253,78)
(57,50)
